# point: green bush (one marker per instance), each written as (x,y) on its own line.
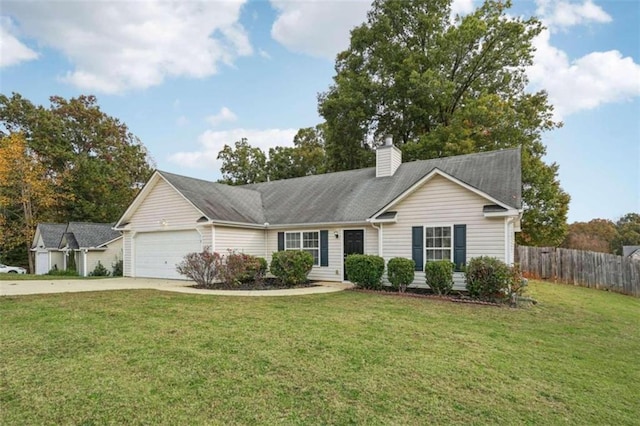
(291,267)
(400,272)
(489,278)
(365,270)
(439,276)
(99,271)
(63,272)
(117,268)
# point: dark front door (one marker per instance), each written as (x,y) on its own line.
(353,243)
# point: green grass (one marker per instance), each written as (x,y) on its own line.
(148,357)
(31,277)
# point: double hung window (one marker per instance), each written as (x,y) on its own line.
(438,243)
(306,241)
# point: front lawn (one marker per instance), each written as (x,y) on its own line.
(149,357)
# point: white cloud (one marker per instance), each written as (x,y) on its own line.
(211,142)
(583,83)
(12,51)
(564,14)
(462,7)
(118,46)
(225,114)
(316,27)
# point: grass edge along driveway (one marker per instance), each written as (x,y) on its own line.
(154,357)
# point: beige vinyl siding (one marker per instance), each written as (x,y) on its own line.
(383,162)
(248,241)
(206,233)
(107,257)
(371,240)
(333,272)
(387,161)
(442,202)
(127,253)
(56,258)
(164,204)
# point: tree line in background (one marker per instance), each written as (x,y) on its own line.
(66,162)
(603,235)
(440,87)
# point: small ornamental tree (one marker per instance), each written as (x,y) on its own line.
(365,270)
(99,271)
(201,267)
(117,268)
(439,276)
(400,272)
(291,267)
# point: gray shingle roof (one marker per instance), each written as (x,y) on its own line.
(87,235)
(51,233)
(348,196)
(218,201)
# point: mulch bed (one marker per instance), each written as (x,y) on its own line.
(266,284)
(422,294)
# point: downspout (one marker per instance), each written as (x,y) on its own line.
(508,252)
(84,263)
(379,229)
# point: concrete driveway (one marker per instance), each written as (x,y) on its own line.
(17,288)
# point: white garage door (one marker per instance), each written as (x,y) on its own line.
(42,263)
(156,254)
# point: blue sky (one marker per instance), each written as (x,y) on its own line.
(188,77)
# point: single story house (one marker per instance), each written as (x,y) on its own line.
(46,247)
(79,245)
(452,208)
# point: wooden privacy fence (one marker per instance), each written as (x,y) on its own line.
(584,268)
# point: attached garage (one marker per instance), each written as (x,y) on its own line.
(156,254)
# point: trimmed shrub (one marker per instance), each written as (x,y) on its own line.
(291,267)
(489,278)
(365,270)
(117,268)
(439,276)
(99,271)
(400,272)
(201,267)
(239,268)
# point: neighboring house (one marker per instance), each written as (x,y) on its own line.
(452,208)
(46,247)
(80,245)
(632,252)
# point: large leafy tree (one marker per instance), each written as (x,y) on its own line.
(595,235)
(441,87)
(29,193)
(242,164)
(102,162)
(306,157)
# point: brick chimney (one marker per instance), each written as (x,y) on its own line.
(388,158)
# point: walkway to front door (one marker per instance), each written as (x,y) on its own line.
(353,244)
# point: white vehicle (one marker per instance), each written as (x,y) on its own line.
(12,269)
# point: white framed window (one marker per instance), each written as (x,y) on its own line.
(308,241)
(438,243)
